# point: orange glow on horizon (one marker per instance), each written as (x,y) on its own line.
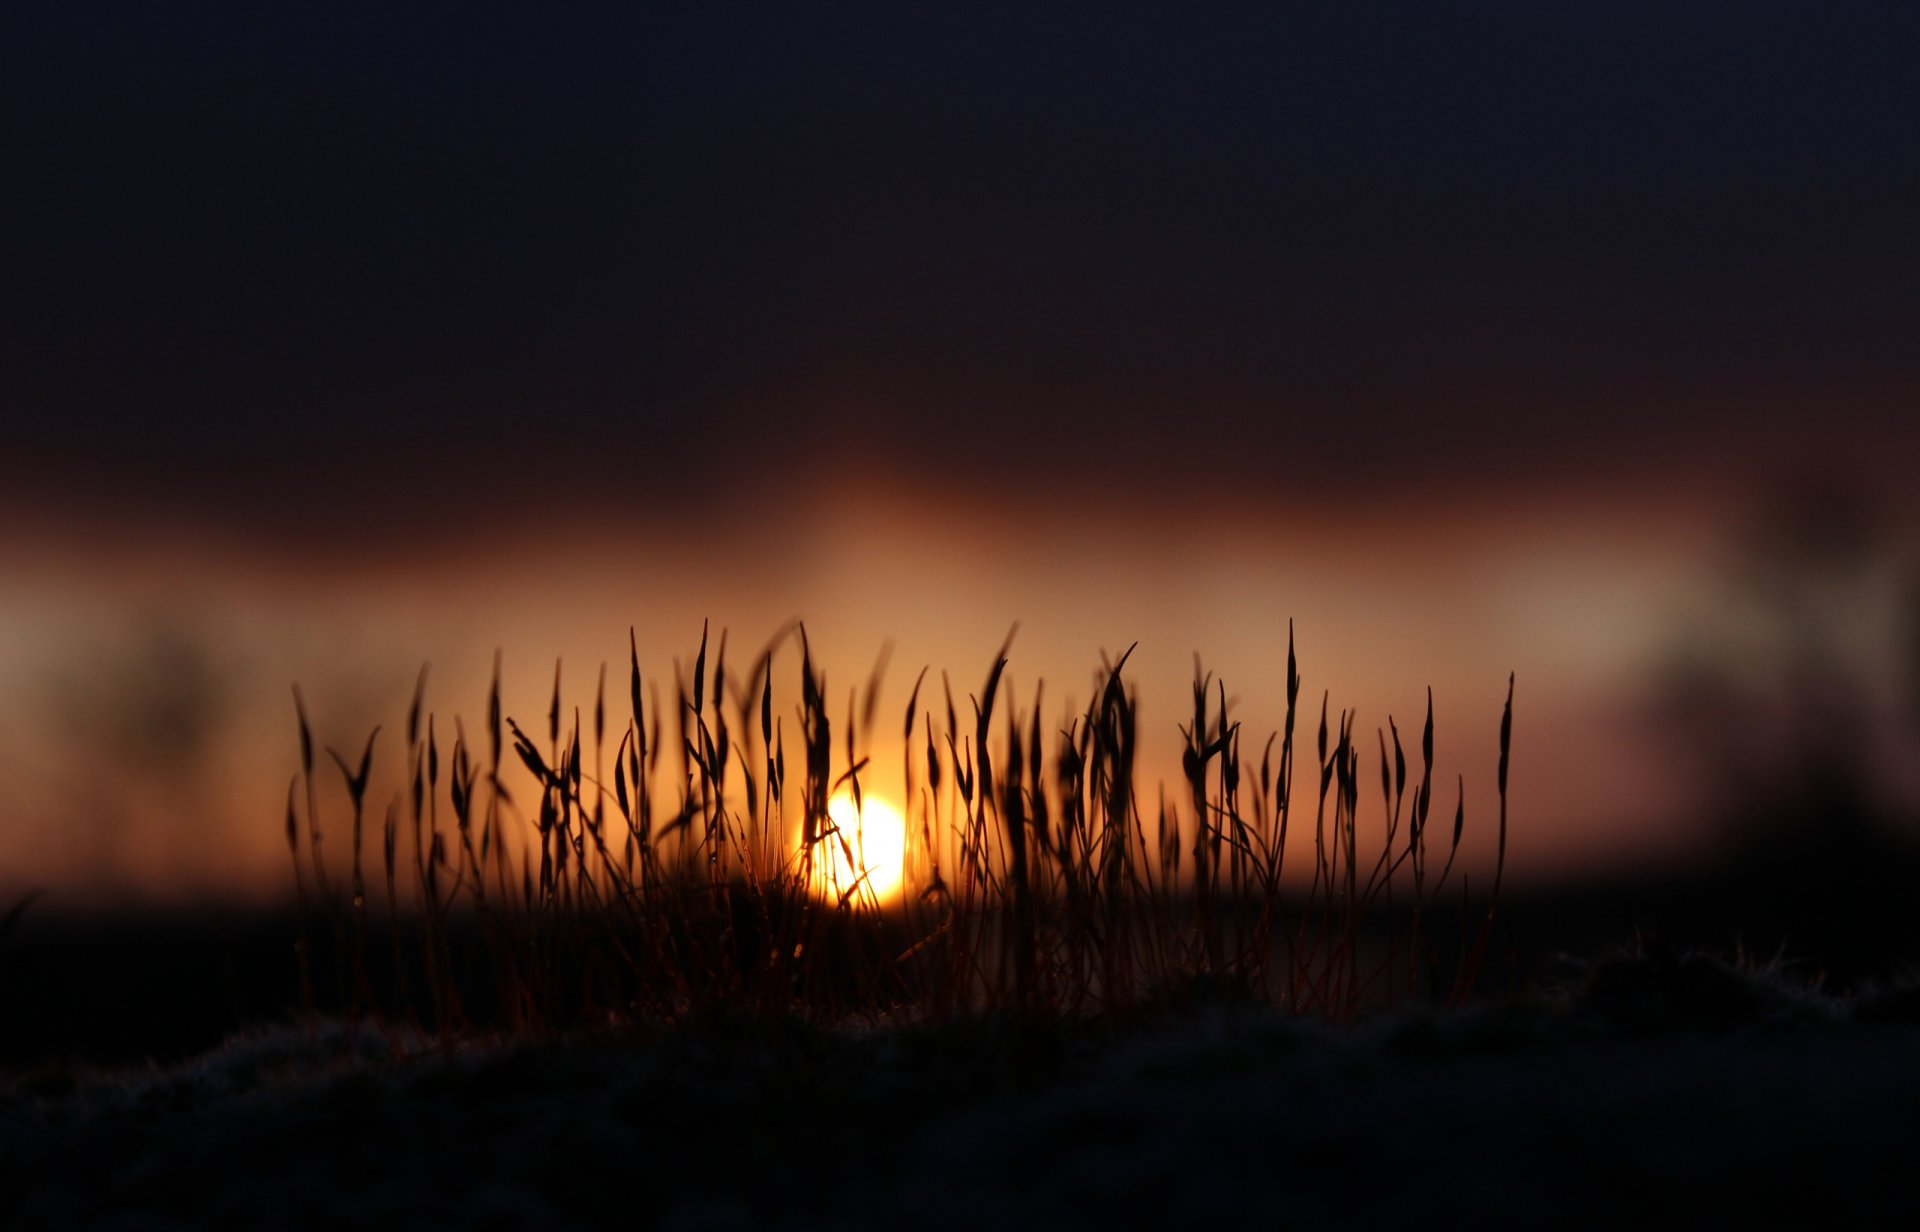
(1574,607)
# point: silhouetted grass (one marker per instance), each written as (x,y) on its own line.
(656,869)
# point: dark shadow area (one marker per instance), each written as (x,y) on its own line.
(1832,899)
(159,987)
(131,988)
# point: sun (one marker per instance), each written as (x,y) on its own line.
(876,835)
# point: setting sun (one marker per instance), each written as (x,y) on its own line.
(871,839)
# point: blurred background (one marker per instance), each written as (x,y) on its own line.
(1573,341)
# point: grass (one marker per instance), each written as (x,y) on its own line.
(647,1009)
(657,868)
(1095,997)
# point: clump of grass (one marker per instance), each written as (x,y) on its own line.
(1040,881)
(1894,998)
(1653,987)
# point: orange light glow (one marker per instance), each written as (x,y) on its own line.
(862,853)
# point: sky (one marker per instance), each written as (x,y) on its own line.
(1469,337)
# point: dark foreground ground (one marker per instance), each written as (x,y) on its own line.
(1663,1098)
(1652,1086)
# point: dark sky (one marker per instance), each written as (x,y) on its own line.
(263,267)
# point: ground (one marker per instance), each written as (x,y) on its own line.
(1616,1106)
